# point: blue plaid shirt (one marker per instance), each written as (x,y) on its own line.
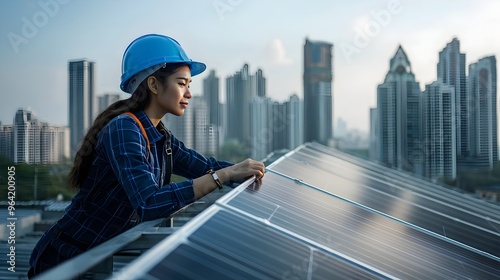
(124,185)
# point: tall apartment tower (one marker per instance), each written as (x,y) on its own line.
(260,83)
(241,88)
(205,134)
(81,100)
(294,122)
(36,142)
(193,127)
(373,151)
(182,126)
(26,138)
(399,117)
(278,126)
(105,100)
(483,112)
(211,97)
(54,143)
(439,131)
(451,71)
(261,131)
(6,141)
(317,79)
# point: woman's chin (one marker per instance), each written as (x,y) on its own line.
(178,113)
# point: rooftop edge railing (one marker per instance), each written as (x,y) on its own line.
(97,263)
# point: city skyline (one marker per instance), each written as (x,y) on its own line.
(227,38)
(29,140)
(448,128)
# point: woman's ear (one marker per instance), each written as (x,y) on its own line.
(153,84)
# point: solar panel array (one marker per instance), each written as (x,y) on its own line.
(321,214)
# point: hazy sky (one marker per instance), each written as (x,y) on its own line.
(39,37)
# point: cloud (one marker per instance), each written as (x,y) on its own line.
(278,54)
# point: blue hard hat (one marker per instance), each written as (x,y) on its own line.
(149,52)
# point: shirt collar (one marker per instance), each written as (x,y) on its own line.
(153,134)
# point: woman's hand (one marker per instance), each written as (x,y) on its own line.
(245,169)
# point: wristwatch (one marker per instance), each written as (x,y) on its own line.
(216,178)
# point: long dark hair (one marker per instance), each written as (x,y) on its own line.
(138,101)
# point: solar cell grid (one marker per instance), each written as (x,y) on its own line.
(229,246)
(382,242)
(441,218)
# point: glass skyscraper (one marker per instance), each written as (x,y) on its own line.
(81,100)
(399,117)
(439,131)
(318,112)
(451,71)
(241,88)
(483,111)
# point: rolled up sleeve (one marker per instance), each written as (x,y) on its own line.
(191,164)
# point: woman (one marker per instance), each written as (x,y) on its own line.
(122,170)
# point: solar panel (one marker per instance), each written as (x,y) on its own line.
(229,246)
(447,218)
(308,222)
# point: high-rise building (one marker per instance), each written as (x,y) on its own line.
(182,126)
(275,126)
(399,117)
(223,123)
(318,112)
(54,143)
(36,142)
(373,151)
(451,71)
(193,128)
(105,100)
(81,100)
(278,126)
(211,97)
(205,133)
(240,90)
(294,122)
(6,141)
(483,112)
(260,83)
(341,128)
(26,138)
(439,131)
(261,127)
(238,109)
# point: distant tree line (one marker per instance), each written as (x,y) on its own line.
(36,181)
(473,180)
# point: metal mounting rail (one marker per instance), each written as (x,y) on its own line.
(97,263)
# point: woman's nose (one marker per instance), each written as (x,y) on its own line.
(187,94)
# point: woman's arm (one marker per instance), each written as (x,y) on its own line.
(247,168)
(191,164)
